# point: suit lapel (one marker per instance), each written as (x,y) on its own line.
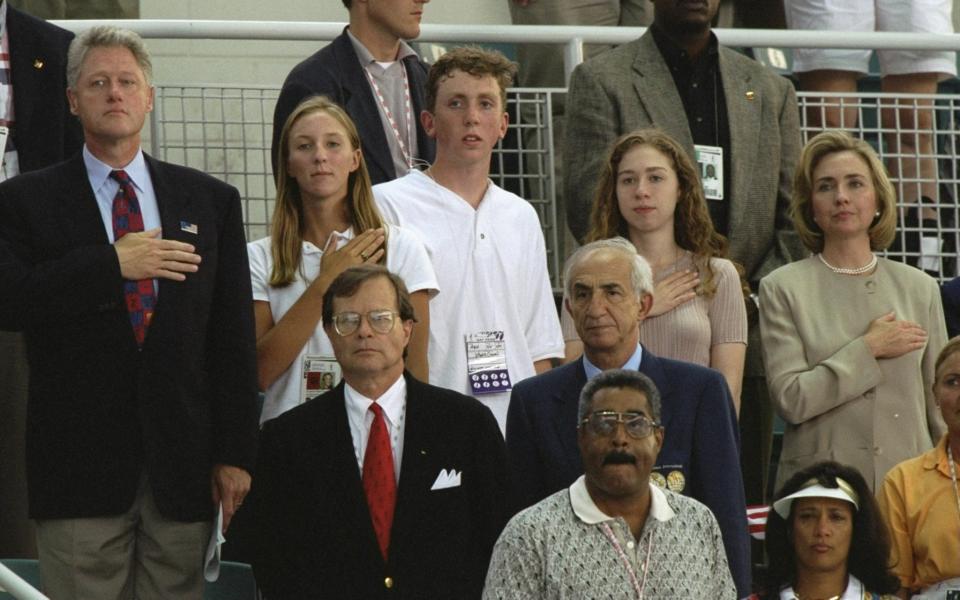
(86,227)
(658,95)
(651,366)
(566,402)
(362,106)
(743,117)
(173,205)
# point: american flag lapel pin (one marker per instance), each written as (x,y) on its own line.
(188,227)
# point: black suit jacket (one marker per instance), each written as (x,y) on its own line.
(701,441)
(44,131)
(335,72)
(101,412)
(314,535)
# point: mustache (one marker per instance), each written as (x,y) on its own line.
(619,458)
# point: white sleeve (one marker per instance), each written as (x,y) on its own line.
(408,258)
(258,254)
(541,321)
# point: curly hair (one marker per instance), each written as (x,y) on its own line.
(286,232)
(474,61)
(692,228)
(869,555)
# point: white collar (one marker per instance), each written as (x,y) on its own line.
(391,401)
(98,171)
(586,509)
(854,590)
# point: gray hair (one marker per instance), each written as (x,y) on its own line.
(619,378)
(641,277)
(106,36)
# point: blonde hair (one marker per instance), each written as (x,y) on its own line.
(692,227)
(286,233)
(883,229)
(951,348)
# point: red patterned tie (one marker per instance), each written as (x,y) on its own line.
(379,483)
(139,295)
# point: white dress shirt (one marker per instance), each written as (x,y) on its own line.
(360,418)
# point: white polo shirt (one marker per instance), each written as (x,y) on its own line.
(491,263)
(406,257)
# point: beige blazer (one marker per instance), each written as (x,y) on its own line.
(630,88)
(840,403)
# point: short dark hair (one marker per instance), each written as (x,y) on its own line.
(869,555)
(347,283)
(472,61)
(347,3)
(619,378)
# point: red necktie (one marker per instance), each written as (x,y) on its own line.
(379,483)
(139,295)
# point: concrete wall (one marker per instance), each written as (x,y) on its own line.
(255,63)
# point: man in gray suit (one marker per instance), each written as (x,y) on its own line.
(729,112)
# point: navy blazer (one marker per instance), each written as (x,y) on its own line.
(335,72)
(44,131)
(701,442)
(101,412)
(314,537)
(950,294)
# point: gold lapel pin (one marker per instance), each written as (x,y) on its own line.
(751,95)
(37,63)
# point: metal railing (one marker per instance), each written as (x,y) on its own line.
(226,130)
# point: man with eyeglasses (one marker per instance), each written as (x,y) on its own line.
(609,293)
(385,486)
(613,533)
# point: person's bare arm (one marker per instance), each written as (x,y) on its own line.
(417,351)
(728,359)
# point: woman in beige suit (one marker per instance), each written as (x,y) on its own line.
(850,339)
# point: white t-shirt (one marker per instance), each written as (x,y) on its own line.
(406,257)
(492,267)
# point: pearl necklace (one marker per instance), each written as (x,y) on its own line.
(846,271)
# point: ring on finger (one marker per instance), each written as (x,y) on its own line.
(364,255)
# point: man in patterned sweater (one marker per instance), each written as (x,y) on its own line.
(613,534)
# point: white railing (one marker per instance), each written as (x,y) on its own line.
(573,37)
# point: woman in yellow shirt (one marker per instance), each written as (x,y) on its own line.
(920,499)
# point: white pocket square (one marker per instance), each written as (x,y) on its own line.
(446,479)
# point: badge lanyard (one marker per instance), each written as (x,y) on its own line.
(638,586)
(407,158)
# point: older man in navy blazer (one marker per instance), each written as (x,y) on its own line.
(609,291)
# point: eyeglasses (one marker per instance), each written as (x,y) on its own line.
(603,423)
(381,321)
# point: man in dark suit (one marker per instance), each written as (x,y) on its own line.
(609,293)
(129,279)
(379,81)
(42,132)
(385,487)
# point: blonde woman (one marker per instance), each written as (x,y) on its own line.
(849,338)
(325,221)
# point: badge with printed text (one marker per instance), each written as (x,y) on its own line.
(487,363)
(320,375)
(710,163)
